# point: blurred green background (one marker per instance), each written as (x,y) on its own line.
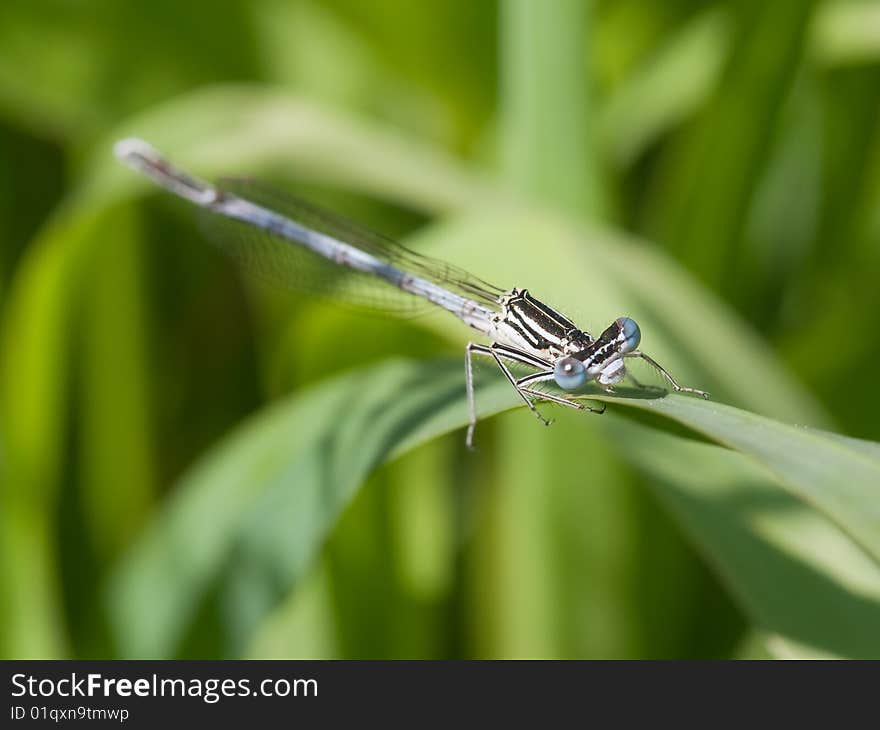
(197,465)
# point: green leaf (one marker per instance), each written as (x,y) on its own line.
(811,590)
(665,90)
(838,477)
(705,206)
(548,126)
(34,382)
(65,71)
(244,129)
(846,33)
(274,490)
(246,524)
(114,412)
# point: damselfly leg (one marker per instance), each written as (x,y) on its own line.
(499,353)
(524,384)
(669,379)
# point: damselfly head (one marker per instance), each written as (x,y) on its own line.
(630,333)
(620,338)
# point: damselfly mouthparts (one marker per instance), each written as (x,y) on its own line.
(278,234)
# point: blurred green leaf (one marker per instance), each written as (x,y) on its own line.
(666,89)
(447,48)
(704,206)
(262,534)
(671,85)
(802,581)
(275,489)
(572,557)
(247,129)
(115,390)
(847,32)
(26,198)
(38,321)
(304,627)
(548,127)
(67,69)
(837,477)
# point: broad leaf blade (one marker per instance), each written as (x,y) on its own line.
(840,478)
(249,519)
(247,522)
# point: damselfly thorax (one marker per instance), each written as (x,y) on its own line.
(530,325)
(288,240)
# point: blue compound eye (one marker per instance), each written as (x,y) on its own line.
(631,333)
(569,373)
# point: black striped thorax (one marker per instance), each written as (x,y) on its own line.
(528,323)
(604,348)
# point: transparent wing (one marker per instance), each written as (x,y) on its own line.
(281,262)
(285,263)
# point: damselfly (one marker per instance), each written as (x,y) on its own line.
(281,236)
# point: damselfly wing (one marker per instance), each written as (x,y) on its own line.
(280,261)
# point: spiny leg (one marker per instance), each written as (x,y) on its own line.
(660,369)
(496,352)
(469,387)
(523,384)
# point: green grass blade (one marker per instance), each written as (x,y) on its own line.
(839,479)
(727,151)
(546,107)
(254,518)
(224,130)
(810,588)
(666,90)
(274,490)
(35,342)
(114,390)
